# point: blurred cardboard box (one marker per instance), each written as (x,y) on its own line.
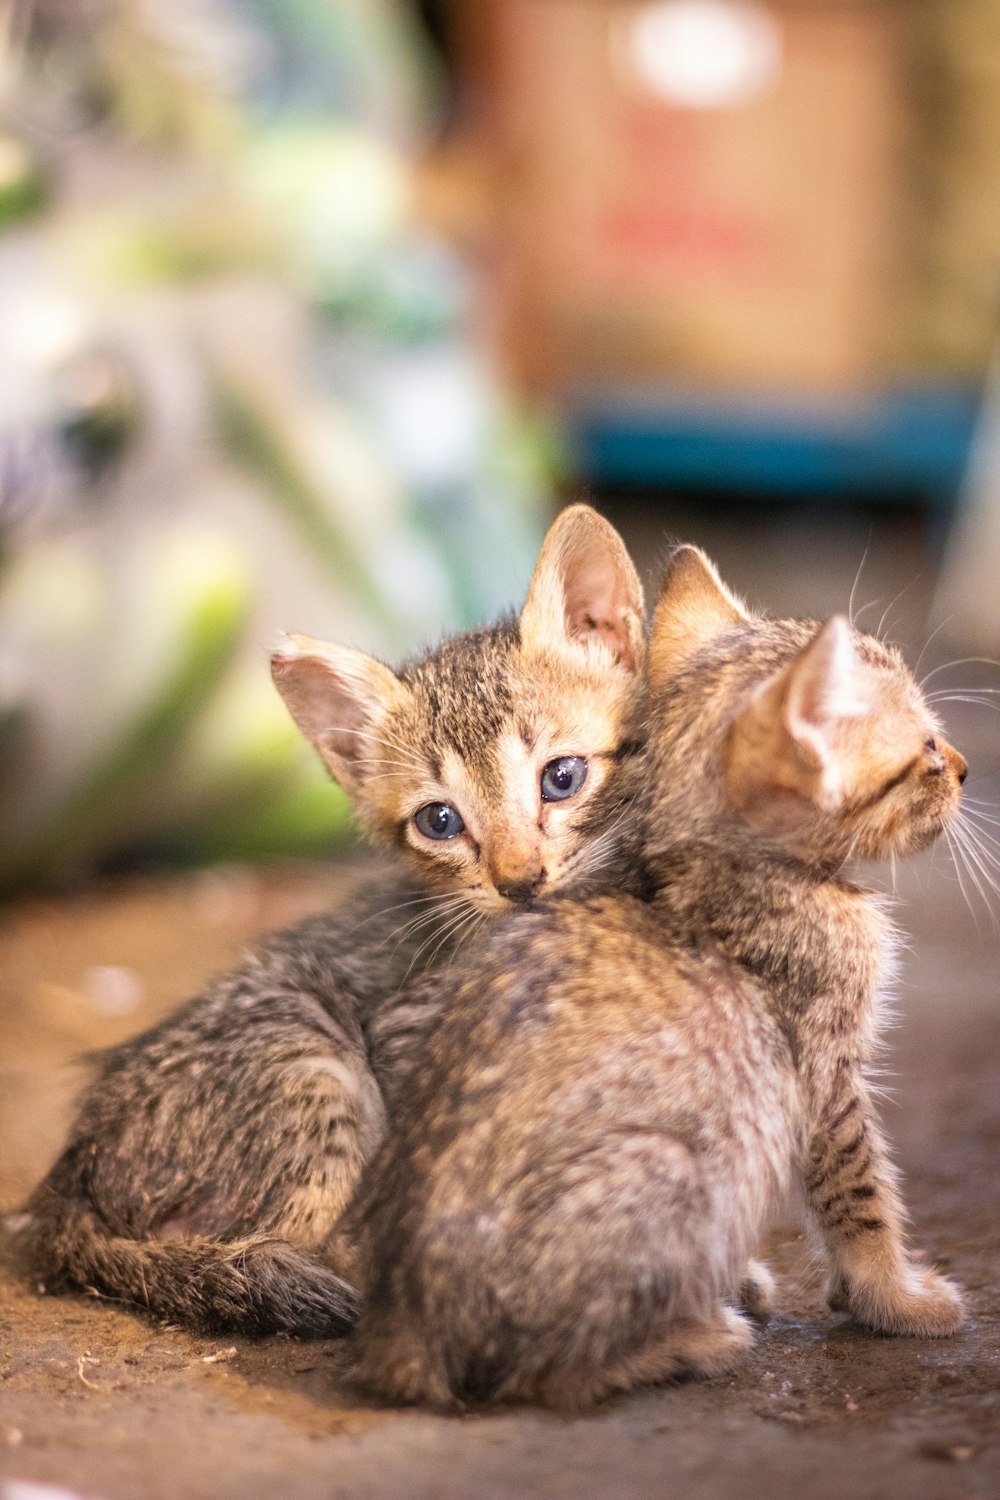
(712,205)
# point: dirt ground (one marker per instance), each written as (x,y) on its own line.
(110,1405)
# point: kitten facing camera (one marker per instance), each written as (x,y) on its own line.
(600,1132)
(478,760)
(212,1156)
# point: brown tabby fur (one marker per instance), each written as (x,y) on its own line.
(621,1091)
(212,1156)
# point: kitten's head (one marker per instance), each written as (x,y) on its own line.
(479,759)
(812,739)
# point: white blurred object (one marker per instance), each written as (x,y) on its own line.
(967,597)
(113,990)
(701,54)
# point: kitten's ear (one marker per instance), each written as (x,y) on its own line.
(694,605)
(585,588)
(787,738)
(338,697)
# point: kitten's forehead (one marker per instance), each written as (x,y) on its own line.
(463,693)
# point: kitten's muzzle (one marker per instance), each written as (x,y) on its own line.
(949,759)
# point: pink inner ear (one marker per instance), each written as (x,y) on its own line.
(595,607)
(323,706)
(825,682)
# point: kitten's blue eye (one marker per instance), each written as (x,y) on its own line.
(438,820)
(563,778)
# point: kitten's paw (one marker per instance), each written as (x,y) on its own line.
(758,1292)
(838,1294)
(924,1304)
(712,1348)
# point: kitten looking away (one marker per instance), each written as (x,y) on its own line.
(566,1202)
(212,1156)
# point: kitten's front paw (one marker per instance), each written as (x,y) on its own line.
(758,1291)
(838,1294)
(922,1304)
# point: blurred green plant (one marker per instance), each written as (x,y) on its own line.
(236,395)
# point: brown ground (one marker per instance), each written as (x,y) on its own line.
(106,1403)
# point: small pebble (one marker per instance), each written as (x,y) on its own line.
(951,1451)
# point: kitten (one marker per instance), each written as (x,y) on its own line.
(604,1122)
(212,1155)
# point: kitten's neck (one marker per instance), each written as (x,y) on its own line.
(805,934)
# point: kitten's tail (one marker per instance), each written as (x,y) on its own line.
(255,1285)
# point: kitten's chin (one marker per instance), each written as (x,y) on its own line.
(918,837)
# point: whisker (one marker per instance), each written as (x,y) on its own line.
(411,927)
(954,859)
(449,927)
(477,919)
(385,911)
(977,813)
(893,602)
(975,869)
(857,577)
(977,839)
(959,661)
(935,632)
(969,816)
(978,702)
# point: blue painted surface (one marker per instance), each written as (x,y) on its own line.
(910,441)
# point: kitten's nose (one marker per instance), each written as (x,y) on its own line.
(520,891)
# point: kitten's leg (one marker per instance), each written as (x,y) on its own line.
(208,1159)
(688,1348)
(851,1188)
(758,1291)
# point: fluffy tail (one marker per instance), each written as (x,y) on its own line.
(253,1286)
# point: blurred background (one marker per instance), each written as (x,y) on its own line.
(312,311)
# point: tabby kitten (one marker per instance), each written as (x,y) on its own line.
(212,1155)
(600,1132)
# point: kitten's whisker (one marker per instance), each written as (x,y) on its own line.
(935,632)
(985,859)
(479,919)
(954,858)
(410,928)
(959,661)
(438,905)
(976,812)
(857,578)
(385,911)
(456,933)
(382,760)
(893,602)
(450,926)
(969,815)
(593,856)
(974,868)
(393,743)
(963,698)
(864,610)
